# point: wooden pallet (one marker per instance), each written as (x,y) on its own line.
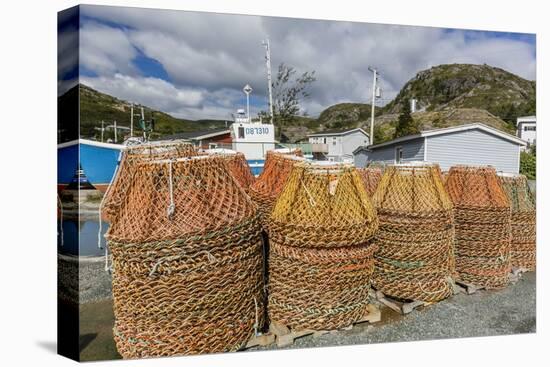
(284,336)
(468,288)
(398,306)
(519,271)
(261,340)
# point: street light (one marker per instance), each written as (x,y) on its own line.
(247,90)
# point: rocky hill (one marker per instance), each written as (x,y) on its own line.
(498,91)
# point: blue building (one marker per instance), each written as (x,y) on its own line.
(470,144)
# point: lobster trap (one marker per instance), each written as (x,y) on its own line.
(415,259)
(482,226)
(320,256)
(523,222)
(133,155)
(237,165)
(187,260)
(370,176)
(270,183)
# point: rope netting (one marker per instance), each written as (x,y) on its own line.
(238,166)
(482,226)
(370,176)
(415,259)
(133,155)
(187,260)
(322,206)
(269,184)
(524,223)
(320,256)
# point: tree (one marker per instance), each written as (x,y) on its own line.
(288,91)
(405,123)
(528,164)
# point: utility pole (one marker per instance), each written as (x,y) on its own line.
(132,119)
(143,119)
(374,80)
(268,66)
(116,136)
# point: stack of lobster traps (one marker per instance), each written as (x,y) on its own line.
(482,226)
(186,257)
(321,254)
(415,259)
(523,223)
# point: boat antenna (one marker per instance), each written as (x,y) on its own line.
(265,43)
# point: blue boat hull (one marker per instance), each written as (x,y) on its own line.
(99,162)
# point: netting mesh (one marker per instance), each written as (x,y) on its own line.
(116,193)
(238,167)
(187,260)
(320,258)
(322,206)
(370,176)
(524,223)
(269,184)
(415,259)
(482,226)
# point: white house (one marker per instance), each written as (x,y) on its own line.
(337,145)
(527,129)
(470,144)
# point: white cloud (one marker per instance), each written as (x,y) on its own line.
(106,50)
(217,54)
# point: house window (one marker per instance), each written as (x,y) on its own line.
(212,145)
(334,141)
(324,140)
(398,154)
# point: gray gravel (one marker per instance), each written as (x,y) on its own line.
(95,282)
(484,313)
(83,281)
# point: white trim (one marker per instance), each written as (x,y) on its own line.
(519,158)
(425,149)
(67,144)
(447,130)
(92,143)
(340,133)
(400,147)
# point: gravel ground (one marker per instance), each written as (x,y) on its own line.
(484,313)
(95,282)
(85,280)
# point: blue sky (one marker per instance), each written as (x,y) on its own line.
(194,65)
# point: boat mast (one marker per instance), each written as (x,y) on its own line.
(268,66)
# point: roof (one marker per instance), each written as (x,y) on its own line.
(447,130)
(197,135)
(338,132)
(526,119)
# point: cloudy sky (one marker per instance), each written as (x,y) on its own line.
(194,65)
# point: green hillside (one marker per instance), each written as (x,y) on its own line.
(96,106)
